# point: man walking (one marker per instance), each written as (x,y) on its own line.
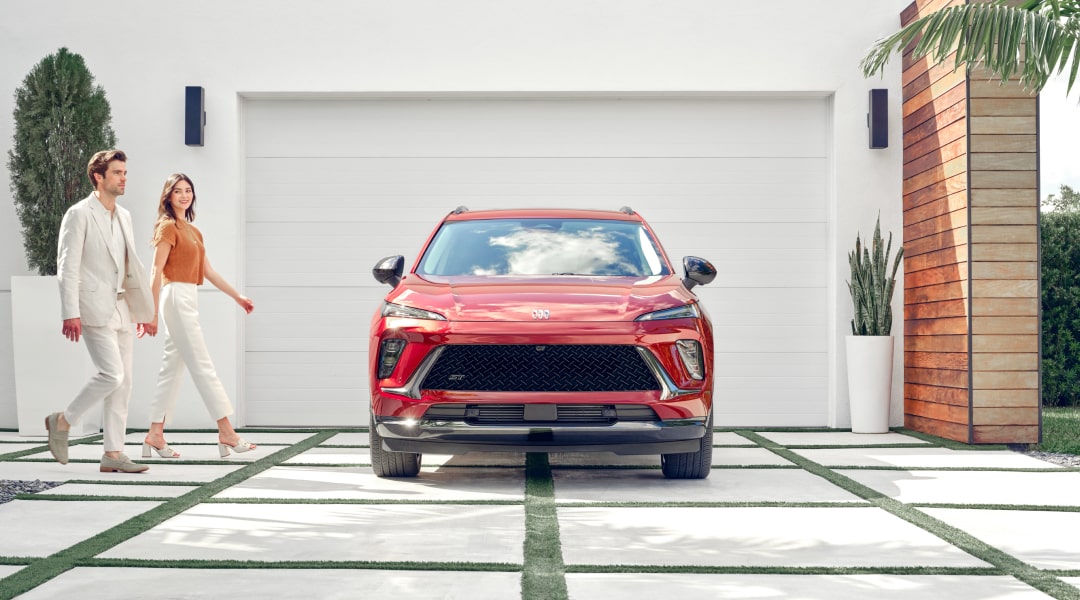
(103,289)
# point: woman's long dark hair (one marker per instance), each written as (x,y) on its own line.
(165,207)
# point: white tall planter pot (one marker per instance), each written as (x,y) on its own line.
(49,369)
(869,372)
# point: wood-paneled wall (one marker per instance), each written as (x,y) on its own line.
(971,207)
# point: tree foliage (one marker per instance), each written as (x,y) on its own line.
(1060,269)
(61,120)
(1036,38)
(1069,200)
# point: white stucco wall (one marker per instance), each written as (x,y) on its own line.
(144,53)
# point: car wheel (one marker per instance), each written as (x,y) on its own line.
(391,464)
(690,465)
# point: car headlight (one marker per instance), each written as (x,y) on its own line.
(389,309)
(687,311)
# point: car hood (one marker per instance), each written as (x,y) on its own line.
(509,299)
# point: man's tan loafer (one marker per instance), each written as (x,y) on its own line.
(58,440)
(120,465)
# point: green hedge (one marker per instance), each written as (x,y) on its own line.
(1060,232)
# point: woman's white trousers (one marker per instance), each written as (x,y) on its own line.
(185,347)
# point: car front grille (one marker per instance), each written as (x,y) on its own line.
(540,368)
(519,414)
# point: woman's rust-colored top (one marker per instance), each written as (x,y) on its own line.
(185,262)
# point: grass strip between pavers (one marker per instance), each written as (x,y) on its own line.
(301,564)
(1006,563)
(953,469)
(543,574)
(41,570)
(1023,507)
(779,570)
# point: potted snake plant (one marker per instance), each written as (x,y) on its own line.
(870,345)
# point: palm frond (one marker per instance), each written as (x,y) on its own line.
(1034,40)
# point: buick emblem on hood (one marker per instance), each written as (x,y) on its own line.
(541,313)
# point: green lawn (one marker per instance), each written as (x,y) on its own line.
(1061,430)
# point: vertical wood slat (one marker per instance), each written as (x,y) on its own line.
(971,323)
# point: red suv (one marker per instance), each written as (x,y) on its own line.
(542,331)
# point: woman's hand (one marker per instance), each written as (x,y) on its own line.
(245,303)
(150,328)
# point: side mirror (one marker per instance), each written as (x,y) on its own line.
(389,270)
(698,271)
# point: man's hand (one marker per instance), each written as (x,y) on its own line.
(72,329)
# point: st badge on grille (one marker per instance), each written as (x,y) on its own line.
(541,313)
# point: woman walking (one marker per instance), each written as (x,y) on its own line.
(180,266)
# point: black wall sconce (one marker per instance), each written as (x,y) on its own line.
(878,118)
(194,115)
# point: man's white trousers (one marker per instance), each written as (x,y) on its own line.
(110,348)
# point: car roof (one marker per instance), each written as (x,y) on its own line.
(543,213)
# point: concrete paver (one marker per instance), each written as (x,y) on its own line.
(10,436)
(87,583)
(9,448)
(730,438)
(923,458)
(272,438)
(40,528)
(1043,539)
(331,456)
(722,485)
(336,532)
(604,586)
(54,471)
(129,491)
(721,457)
(751,536)
(360,483)
(475,459)
(187,454)
(838,438)
(973,487)
(348,439)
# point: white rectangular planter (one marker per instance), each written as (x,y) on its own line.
(49,369)
(869,372)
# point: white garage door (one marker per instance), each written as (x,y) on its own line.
(334,185)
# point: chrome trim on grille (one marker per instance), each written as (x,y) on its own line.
(412,387)
(668,387)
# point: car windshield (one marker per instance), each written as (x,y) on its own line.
(492,247)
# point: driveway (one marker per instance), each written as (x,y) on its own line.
(812,514)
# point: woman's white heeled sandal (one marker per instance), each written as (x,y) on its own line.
(242,445)
(164,451)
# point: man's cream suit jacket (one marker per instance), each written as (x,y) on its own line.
(87,270)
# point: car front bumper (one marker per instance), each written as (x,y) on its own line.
(452,437)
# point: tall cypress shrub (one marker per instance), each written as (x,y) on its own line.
(1060,231)
(61,120)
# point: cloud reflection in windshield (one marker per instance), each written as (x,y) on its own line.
(542,252)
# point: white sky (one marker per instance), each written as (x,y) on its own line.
(1059,137)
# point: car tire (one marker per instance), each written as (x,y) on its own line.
(690,465)
(391,464)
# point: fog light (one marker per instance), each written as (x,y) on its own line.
(389,353)
(690,353)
